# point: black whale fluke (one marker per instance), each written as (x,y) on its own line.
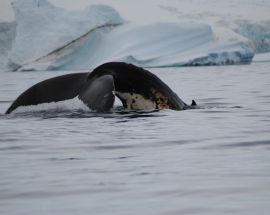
(98,94)
(51,90)
(136,87)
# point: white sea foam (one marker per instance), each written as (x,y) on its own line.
(67,105)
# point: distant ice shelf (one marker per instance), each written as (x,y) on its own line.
(51,38)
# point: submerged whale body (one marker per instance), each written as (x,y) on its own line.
(136,87)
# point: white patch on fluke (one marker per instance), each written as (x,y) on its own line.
(136,101)
(70,104)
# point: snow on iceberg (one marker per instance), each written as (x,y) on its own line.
(51,38)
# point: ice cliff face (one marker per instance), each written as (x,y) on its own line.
(51,38)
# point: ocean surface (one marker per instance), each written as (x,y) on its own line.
(212,160)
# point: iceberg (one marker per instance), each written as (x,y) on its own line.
(153,45)
(257,32)
(42,28)
(7,35)
(171,44)
(52,38)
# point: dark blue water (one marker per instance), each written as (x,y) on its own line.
(213,160)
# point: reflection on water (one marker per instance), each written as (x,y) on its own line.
(212,160)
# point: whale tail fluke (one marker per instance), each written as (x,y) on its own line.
(51,90)
(98,95)
(137,88)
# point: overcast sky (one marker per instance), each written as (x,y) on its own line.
(5,10)
(6,13)
(241,9)
(127,8)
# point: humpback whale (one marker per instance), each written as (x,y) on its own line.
(136,88)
